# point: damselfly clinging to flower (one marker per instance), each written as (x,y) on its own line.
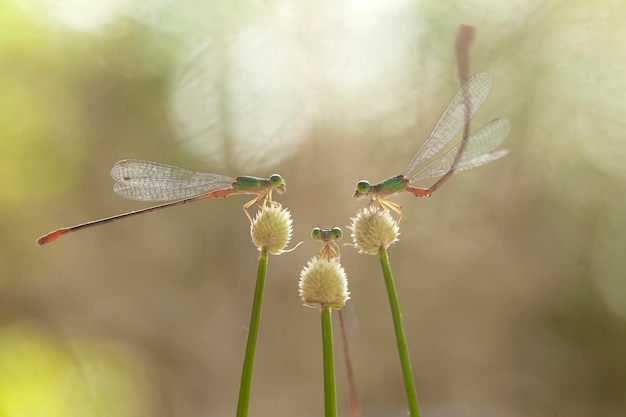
(140,180)
(330,251)
(476,150)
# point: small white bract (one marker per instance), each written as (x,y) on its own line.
(373,228)
(323,282)
(272,228)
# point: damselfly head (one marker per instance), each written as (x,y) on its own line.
(327,235)
(362,189)
(279,184)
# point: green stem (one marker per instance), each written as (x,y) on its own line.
(403,349)
(330,396)
(253,334)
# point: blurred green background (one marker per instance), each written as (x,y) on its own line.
(511,277)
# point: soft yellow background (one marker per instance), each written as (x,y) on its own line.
(511,277)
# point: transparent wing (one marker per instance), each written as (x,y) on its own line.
(152,181)
(453,118)
(480,150)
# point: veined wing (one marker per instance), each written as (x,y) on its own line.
(480,150)
(140,180)
(454,118)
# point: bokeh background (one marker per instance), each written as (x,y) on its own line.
(511,277)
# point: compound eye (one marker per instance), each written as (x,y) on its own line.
(276,180)
(337,233)
(316,234)
(363,187)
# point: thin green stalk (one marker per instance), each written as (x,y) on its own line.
(330,396)
(253,333)
(403,349)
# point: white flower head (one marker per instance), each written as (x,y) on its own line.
(323,282)
(373,228)
(272,228)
